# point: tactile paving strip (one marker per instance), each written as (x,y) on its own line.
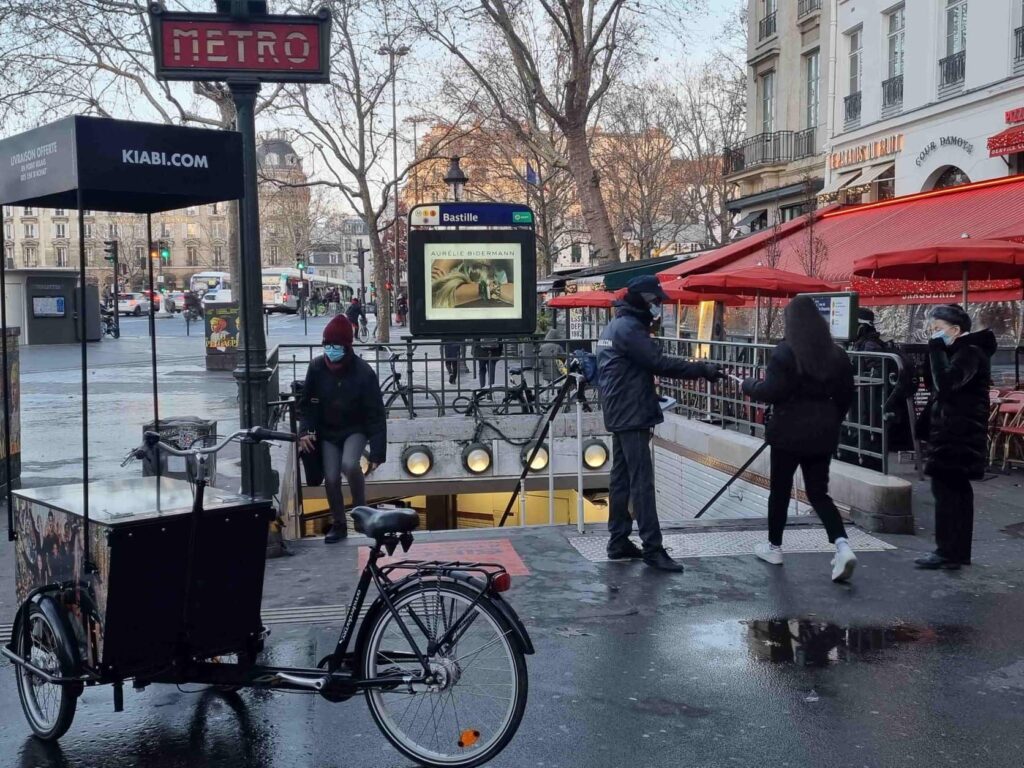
(731,543)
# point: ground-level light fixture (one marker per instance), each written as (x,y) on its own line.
(540,461)
(477,458)
(595,454)
(417,460)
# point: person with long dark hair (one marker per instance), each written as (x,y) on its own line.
(809,384)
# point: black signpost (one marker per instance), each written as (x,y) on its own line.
(245,46)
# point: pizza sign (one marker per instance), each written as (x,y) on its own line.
(277,49)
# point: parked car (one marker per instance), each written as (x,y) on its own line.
(175,301)
(155,297)
(132,304)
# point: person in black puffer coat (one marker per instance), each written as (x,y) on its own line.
(955,425)
(342,412)
(809,383)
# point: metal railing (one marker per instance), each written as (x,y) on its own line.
(952,69)
(864,438)
(770,149)
(767,26)
(851,107)
(1018,47)
(892,91)
(804,7)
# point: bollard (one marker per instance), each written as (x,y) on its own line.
(579,462)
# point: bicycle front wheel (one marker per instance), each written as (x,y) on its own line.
(472,706)
(415,402)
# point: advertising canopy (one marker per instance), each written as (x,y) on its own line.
(600,299)
(121,166)
(757,282)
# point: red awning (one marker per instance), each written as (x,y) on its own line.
(1007,142)
(956,260)
(756,281)
(600,299)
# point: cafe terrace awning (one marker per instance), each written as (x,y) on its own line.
(991,209)
(1007,142)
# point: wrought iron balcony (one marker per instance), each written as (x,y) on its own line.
(804,143)
(892,92)
(766,27)
(1018,49)
(773,148)
(851,107)
(805,7)
(952,69)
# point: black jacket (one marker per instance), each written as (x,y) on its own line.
(868,340)
(955,424)
(336,406)
(628,359)
(808,412)
(353,312)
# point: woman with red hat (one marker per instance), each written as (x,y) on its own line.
(342,412)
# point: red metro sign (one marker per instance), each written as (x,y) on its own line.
(273,49)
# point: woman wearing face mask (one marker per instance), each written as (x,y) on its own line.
(955,425)
(342,411)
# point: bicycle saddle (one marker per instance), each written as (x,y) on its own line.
(378,522)
(514,371)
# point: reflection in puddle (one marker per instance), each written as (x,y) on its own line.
(813,643)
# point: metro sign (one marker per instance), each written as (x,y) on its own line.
(264,48)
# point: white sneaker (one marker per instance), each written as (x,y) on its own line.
(769,553)
(844,562)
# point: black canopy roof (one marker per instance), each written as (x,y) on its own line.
(119,165)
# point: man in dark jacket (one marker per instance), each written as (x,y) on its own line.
(955,424)
(628,359)
(342,411)
(868,338)
(354,311)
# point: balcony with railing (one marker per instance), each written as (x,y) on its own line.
(952,71)
(776,148)
(767,26)
(1018,50)
(892,95)
(807,7)
(851,110)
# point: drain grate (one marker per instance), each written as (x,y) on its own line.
(732,543)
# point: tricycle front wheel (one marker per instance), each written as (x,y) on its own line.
(49,707)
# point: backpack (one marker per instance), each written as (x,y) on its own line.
(585,363)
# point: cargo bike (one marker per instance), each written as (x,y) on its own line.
(155,580)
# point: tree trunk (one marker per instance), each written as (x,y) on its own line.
(588,183)
(380,279)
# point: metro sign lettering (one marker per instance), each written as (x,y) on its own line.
(192,46)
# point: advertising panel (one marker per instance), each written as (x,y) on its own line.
(222,329)
(839,311)
(474,281)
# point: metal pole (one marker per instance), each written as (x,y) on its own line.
(252,374)
(522,498)
(965,286)
(117,270)
(579,462)
(394,161)
(87,562)
(6,381)
(152,326)
(303,293)
(757,319)
(551,480)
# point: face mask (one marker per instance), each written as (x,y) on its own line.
(655,310)
(334,352)
(947,340)
(652,306)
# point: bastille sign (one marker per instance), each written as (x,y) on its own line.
(262,47)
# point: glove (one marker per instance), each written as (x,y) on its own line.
(712,372)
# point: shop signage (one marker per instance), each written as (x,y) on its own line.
(1014,116)
(945,141)
(890,145)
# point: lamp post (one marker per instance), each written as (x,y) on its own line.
(415,121)
(456,178)
(393,52)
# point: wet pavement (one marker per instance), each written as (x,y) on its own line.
(734,663)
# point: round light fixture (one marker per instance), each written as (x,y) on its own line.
(540,461)
(595,454)
(417,460)
(477,458)
(364,464)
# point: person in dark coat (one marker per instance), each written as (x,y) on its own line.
(487,353)
(809,383)
(955,425)
(354,311)
(342,412)
(628,359)
(868,338)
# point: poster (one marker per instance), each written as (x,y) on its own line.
(222,327)
(840,312)
(705,328)
(48,306)
(473,281)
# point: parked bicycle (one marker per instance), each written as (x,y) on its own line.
(440,656)
(108,323)
(418,400)
(517,398)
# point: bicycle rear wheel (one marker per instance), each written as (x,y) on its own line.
(473,706)
(419,400)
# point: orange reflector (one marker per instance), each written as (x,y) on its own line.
(469,738)
(502,582)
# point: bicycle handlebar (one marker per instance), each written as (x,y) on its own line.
(254,434)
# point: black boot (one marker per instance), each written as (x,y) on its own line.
(627,551)
(660,560)
(935,561)
(338,532)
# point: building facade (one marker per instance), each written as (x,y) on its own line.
(778,169)
(334,251)
(930,95)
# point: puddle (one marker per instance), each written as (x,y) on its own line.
(813,643)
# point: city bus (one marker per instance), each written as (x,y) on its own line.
(202,282)
(281,288)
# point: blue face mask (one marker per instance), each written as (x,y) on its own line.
(334,352)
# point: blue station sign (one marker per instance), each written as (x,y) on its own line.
(472,215)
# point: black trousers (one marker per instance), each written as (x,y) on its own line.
(343,460)
(783,466)
(632,479)
(954,515)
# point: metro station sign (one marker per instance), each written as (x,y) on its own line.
(264,48)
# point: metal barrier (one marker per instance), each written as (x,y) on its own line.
(864,438)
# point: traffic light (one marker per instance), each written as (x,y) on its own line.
(110,249)
(164,249)
(388,285)
(300,264)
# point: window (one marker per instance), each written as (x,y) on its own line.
(29,211)
(62,256)
(856,60)
(956,26)
(8,230)
(30,231)
(140,255)
(9,254)
(897,25)
(112,232)
(165,229)
(191,211)
(30,255)
(60,230)
(218,255)
(218,230)
(192,256)
(191,230)
(87,230)
(576,253)
(86,212)
(90,257)
(813,91)
(273,254)
(59,212)
(272,228)
(767,102)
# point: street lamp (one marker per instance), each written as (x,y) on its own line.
(456,178)
(392,53)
